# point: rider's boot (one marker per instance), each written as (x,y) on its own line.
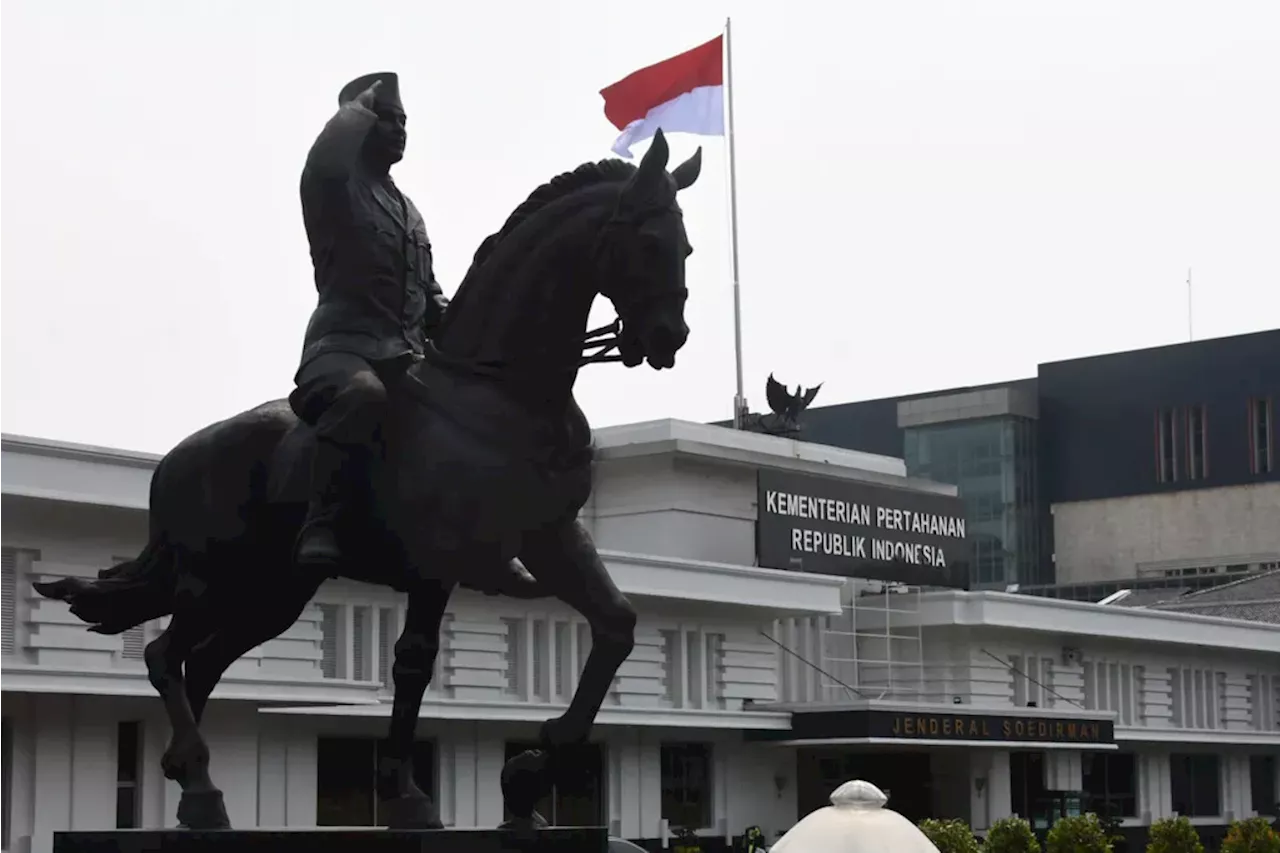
(317,546)
(511,580)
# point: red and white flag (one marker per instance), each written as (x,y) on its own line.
(682,94)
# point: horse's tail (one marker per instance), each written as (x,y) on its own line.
(125,595)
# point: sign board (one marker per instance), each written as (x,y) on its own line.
(1001,727)
(853,529)
(943,725)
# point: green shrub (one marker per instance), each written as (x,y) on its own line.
(950,836)
(1078,834)
(1011,835)
(1254,835)
(1174,835)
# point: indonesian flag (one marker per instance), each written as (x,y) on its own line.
(682,94)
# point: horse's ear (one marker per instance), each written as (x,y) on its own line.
(687,172)
(653,166)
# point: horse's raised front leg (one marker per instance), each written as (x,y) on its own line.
(408,807)
(564,560)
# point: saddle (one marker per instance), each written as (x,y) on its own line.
(289,478)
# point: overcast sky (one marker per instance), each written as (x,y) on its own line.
(931,193)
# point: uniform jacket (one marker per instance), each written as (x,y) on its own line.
(378,295)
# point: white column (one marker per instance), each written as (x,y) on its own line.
(273,773)
(490,751)
(1237,793)
(624,782)
(1155,797)
(301,780)
(22,802)
(93,764)
(999,788)
(53,767)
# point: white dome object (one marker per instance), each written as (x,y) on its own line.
(855,822)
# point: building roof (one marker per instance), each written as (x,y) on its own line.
(86,474)
(1255,597)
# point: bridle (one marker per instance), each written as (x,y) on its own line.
(599,345)
(604,341)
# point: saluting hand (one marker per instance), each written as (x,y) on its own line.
(368,96)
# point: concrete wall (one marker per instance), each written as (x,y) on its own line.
(65,762)
(671,507)
(1116,538)
(64,771)
(75,534)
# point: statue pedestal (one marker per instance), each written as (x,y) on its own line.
(338,840)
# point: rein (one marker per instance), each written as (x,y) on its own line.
(604,341)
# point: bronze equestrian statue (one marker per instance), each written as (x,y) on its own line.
(478,455)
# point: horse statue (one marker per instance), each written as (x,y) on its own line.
(484,456)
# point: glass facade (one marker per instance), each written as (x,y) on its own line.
(993,463)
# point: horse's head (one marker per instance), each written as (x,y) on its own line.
(606,228)
(643,249)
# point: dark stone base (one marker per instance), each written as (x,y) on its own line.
(554,840)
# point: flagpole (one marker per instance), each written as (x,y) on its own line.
(1190,335)
(739,400)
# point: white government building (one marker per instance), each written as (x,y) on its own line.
(751,694)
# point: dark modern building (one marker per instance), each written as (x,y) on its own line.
(1153,467)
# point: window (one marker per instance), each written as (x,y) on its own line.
(1196,788)
(133,641)
(1260,699)
(386,646)
(1166,446)
(1027,795)
(128,763)
(10,601)
(1110,780)
(577,799)
(1118,687)
(1197,448)
(515,668)
(360,657)
(347,779)
(1197,697)
(1261,441)
(671,681)
(1262,784)
(329,640)
(686,785)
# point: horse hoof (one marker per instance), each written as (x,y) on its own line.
(203,810)
(411,813)
(525,780)
(551,735)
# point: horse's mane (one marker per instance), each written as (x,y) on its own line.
(586,175)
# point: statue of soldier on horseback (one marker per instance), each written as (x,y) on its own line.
(379,303)
(428,444)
